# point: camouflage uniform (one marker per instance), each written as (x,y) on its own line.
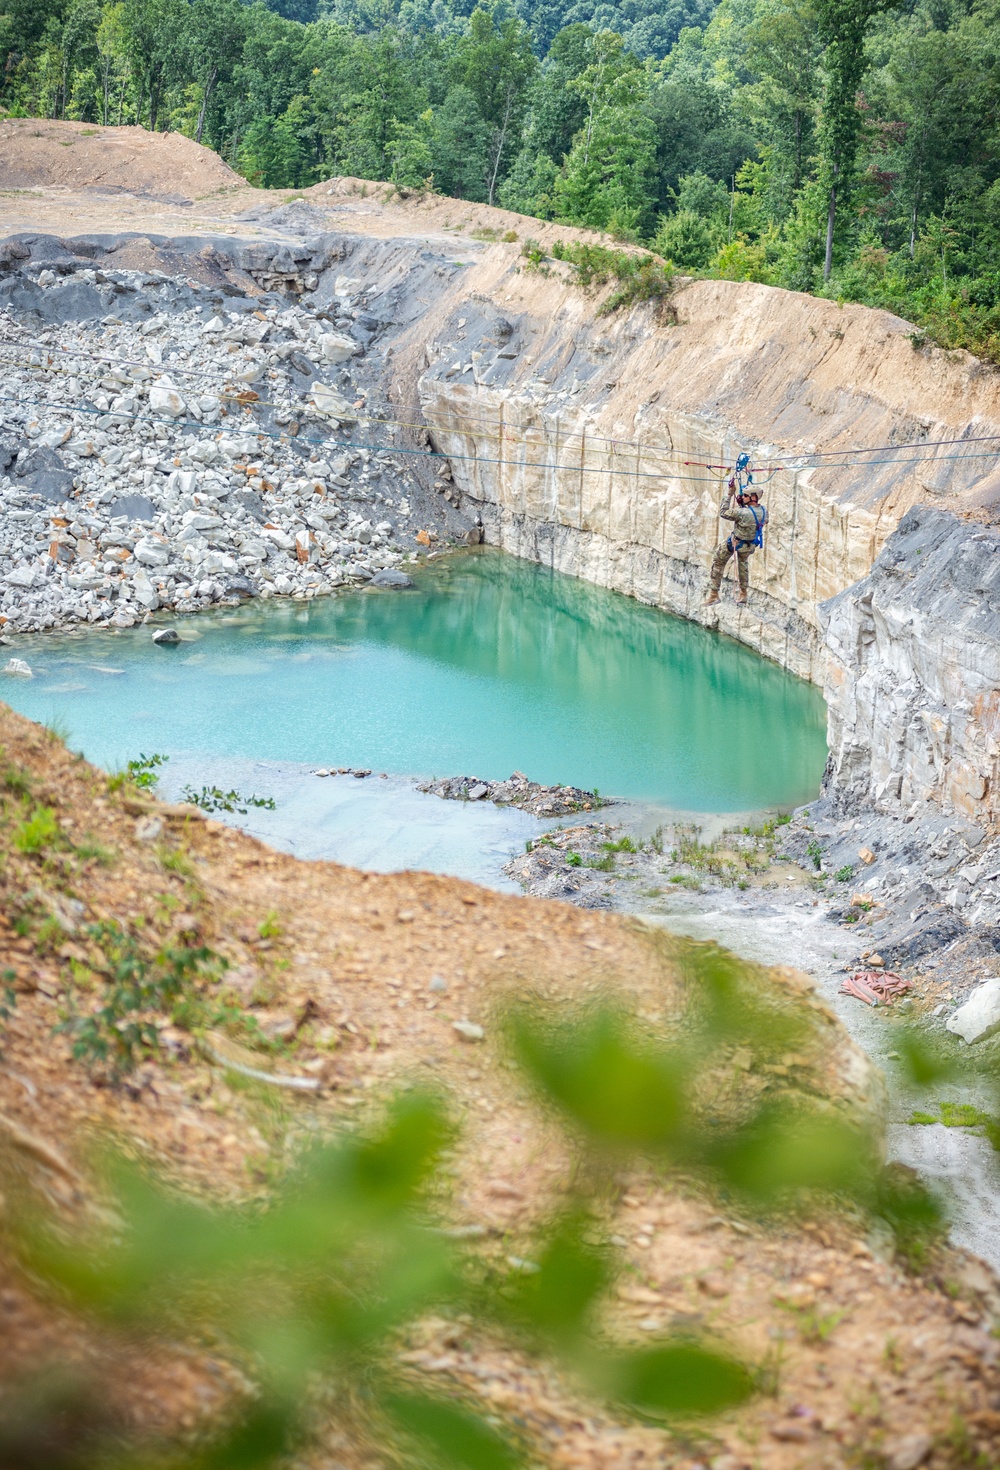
(742,541)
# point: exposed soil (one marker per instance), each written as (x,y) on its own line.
(57,175)
(37,153)
(349,967)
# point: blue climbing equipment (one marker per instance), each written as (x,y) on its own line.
(741,483)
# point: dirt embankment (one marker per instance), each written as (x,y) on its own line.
(39,154)
(365,976)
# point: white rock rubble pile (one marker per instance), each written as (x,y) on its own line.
(192,458)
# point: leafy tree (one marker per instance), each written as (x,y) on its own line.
(461,146)
(557,110)
(529,188)
(783,49)
(215,36)
(496,64)
(686,239)
(842,26)
(410,151)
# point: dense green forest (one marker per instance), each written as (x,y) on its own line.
(837,146)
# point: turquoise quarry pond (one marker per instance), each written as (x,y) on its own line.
(492,664)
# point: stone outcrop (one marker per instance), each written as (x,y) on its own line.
(584,442)
(913,671)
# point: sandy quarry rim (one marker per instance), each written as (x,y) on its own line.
(69,178)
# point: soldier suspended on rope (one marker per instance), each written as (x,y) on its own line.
(749,519)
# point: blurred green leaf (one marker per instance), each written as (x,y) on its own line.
(266,1434)
(623,1091)
(556,1300)
(914,1214)
(679,1378)
(781,1151)
(449,1438)
(923,1063)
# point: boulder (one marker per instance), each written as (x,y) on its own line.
(136,507)
(331,403)
(389,577)
(335,347)
(42,471)
(152,552)
(18,668)
(252,504)
(166,637)
(144,591)
(164,399)
(979,1017)
(239,587)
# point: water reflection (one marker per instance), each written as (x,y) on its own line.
(490,664)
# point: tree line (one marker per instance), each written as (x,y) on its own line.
(845,147)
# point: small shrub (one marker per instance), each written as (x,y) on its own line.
(574,859)
(624,844)
(606,864)
(122,1029)
(214,799)
(141,772)
(269,928)
(639,277)
(534,256)
(90,850)
(815,852)
(40,831)
(844,874)
(16,781)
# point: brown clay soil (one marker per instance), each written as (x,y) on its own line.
(867,1360)
(37,153)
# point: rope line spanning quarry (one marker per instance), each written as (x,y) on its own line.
(792,462)
(105,359)
(260,433)
(577,468)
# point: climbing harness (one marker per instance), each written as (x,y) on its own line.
(741,484)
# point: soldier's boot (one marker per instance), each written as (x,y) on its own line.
(719,560)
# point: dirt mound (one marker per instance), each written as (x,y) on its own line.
(381,208)
(39,154)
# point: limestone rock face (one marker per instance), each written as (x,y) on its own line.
(980,1016)
(913,671)
(598,445)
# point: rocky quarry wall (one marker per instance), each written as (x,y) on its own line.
(584,442)
(574,437)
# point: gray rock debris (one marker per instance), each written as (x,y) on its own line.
(517,790)
(130,482)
